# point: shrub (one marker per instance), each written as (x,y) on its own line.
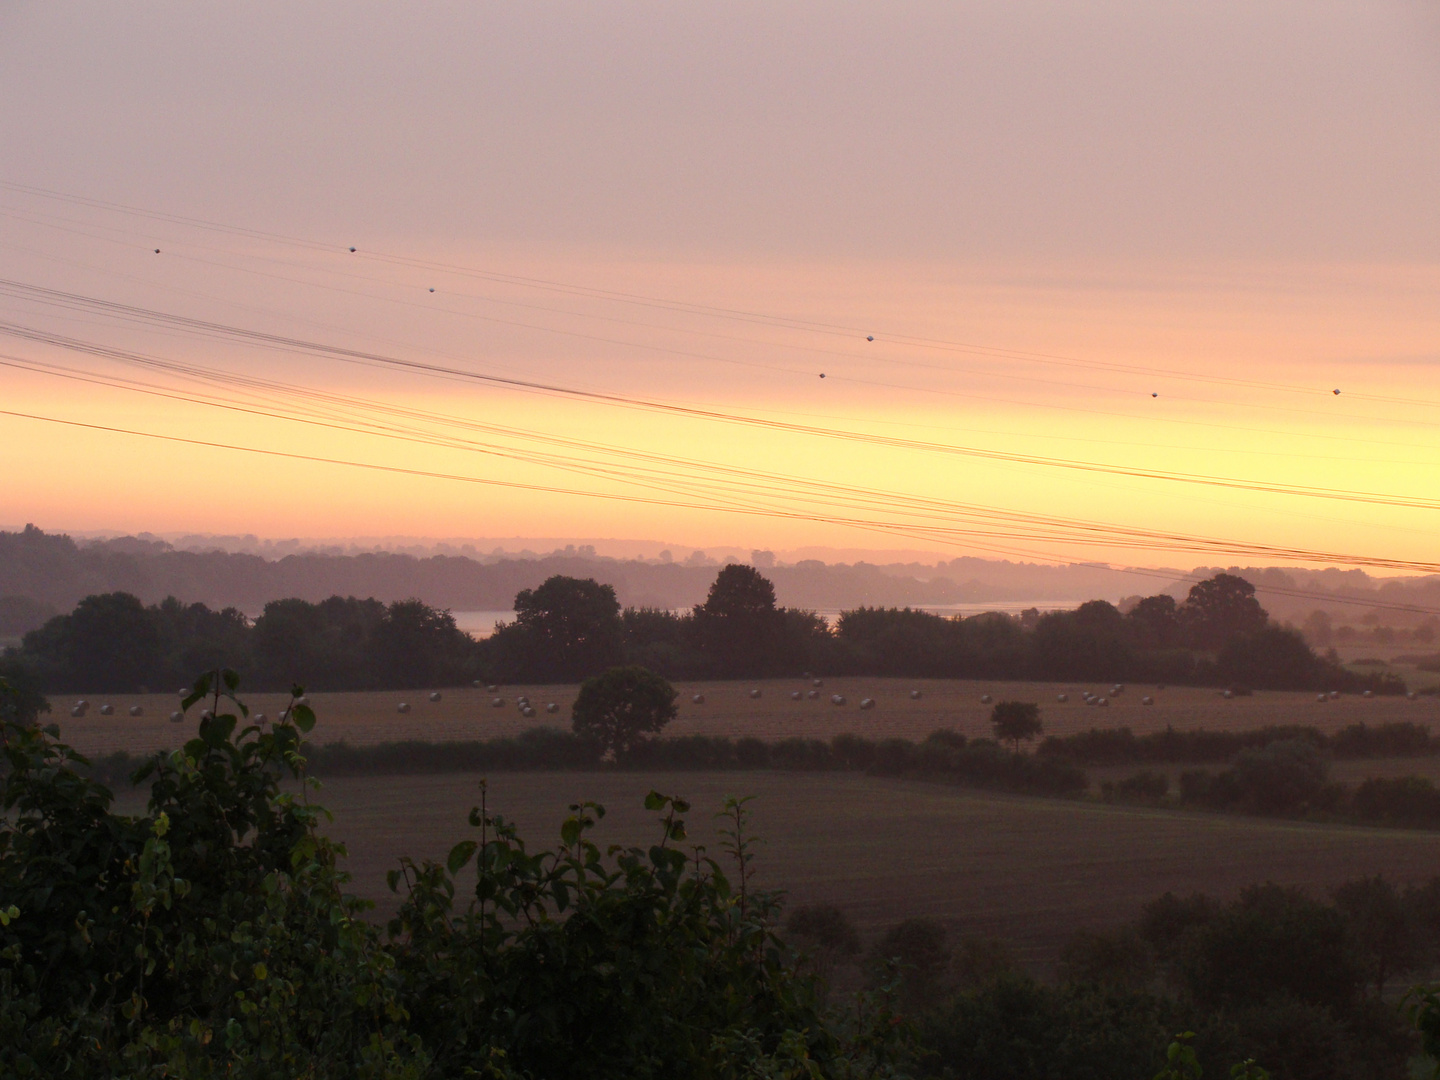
(1144,787)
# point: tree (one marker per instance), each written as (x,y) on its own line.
(109,642)
(1272,658)
(569,629)
(1153,623)
(1220,608)
(618,709)
(415,645)
(1382,929)
(1015,722)
(739,625)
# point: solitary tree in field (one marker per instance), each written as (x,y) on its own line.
(618,709)
(1016,721)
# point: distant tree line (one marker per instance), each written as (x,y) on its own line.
(568,629)
(113,643)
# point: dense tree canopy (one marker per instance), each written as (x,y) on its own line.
(568,629)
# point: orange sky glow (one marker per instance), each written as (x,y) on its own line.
(543,332)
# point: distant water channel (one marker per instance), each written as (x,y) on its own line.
(481,624)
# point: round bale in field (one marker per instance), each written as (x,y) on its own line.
(435,696)
(1334,695)
(837,699)
(914,695)
(492,688)
(1322,697)
(698,699)
(77,711)
(754,693)
(107,710)
(302,700)
(551,707)
(1411,694)
(986,699)
(137,710)
(527,711)
(1102,702)
(867,703)
(82,704)
(1147,700)
(176,716)
(1367,693)
(477,684)
(183,691)
(1062,698)
(1227,694)
(403,707)
(813,695)
(818,682)
(794,695)
(258,718)
(497,703)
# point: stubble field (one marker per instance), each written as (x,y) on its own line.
(1029,871)
(462,714)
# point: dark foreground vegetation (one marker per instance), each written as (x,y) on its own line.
(1300,985)
(568,629)
(211,935)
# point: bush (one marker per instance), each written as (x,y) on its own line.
(1403,800)
(1144,787)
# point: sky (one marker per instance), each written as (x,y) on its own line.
(1082,279)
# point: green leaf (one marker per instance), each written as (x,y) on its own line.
(655,801)
(459,855)
(570,831)
(303,717)
(230,678)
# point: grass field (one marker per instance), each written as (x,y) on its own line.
(367,718)
(1029,871)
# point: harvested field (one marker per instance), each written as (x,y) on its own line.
(367,718)
(1030,871)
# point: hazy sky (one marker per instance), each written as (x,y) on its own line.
(1044,214)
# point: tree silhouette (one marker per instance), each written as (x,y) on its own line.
(1220,608)
(620,708)
(569,629)
(1016,721)
(739,624)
